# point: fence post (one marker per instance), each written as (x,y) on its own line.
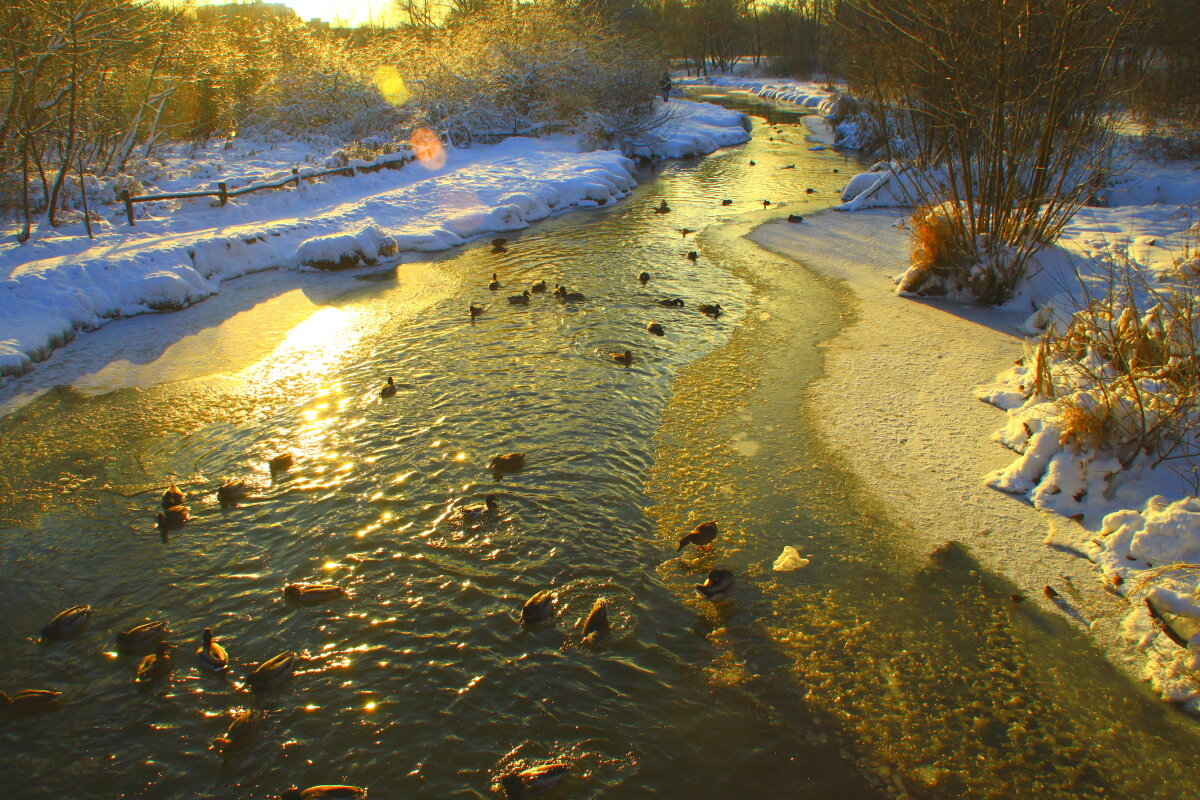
(128,205)
(223,192)
(296,172)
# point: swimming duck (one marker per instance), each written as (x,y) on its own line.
(534,780)
(718,584)
(495,283)
(712,309)
(663,208)
(509,462)
(795,218)
(230,492)
(156,666)
(67,623)
(272,673)
(282,462)
(29,701)
(498,246)
(835,169)
(172,497)
(173,517)
(701,536)
(243,730)
(671,302)
(311,593)
(692,255)
(625,358)
(538,608)
(480,512)
(644,277)
(726,202)
(389,388)
(325,793)
(766,203)
(596,624)
(474,311)
(211,654)
(141,637)
(789,166)
(656,329)
(686,231)
(752,162)
(521,299)
(571,297)
(540,286)
(810,190)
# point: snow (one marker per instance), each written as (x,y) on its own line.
(807,94)
(180,251)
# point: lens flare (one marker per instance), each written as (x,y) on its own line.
(429,150)
(391,86)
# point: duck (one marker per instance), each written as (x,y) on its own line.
(67,623)
(538,287)
(311,593)
(692,255)
(498,246)
(508,462)
(480,512)
(389,388)
(474,310)
(711,309)
(789,166)
(272,673)
(534,780)
(538,608)
(30,701)
(141,637)
(282,462)
(521,299)
(173,517)
(571,297)
(752,162)
(726,202)
(766,203)
(242,731)
(155,666)
(656,329)
(325,793)
(671,302)
(644,277)
(663,208)
(795,218)
(495,283)
(718,584)
(625,358)
(810,190)
(836,170)
(211,655)
(701,536)
(686,231)
(596,624)
(172,497)
(230,492)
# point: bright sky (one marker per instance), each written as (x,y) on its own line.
(349,12)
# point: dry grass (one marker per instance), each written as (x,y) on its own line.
(936,254)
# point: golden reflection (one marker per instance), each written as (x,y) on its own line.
(313,346)
(370,705)
(428,149)
(392,86)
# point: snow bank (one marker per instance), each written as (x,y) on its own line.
(807,94)
(695,128)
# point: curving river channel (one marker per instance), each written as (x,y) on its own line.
(874,672)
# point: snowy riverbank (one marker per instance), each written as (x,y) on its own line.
(61,282)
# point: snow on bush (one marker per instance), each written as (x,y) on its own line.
(346,250)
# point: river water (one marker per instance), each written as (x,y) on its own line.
(874,672)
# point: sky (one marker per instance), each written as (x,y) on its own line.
(350,12)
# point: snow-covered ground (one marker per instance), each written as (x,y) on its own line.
(807,94)
(61,282)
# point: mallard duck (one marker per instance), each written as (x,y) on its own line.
(752,162)
(141,637)
(534,780)
(509,462)
(540,286)
(521,299)
(230,492)
(172,518)
(67,623)
(726,202)
(718,584)
(671,302)
(692,255)
(172,497)
(282,462)
(272,673)
(711,309)
(389,388)
(559,290)
(155,666)
(571,297)
(498,246)
(644,277)
(480,512)
(789,166)
(495,283)
(30,701)
(243,730)
(311,593)
(810,190)
(625,358)
(656,329)
(701,536)
(211,655)
(686,231)
(596,624)
(663,208)
(766,203)
(795,218)
(325,793)
(474,311)
(538,608)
